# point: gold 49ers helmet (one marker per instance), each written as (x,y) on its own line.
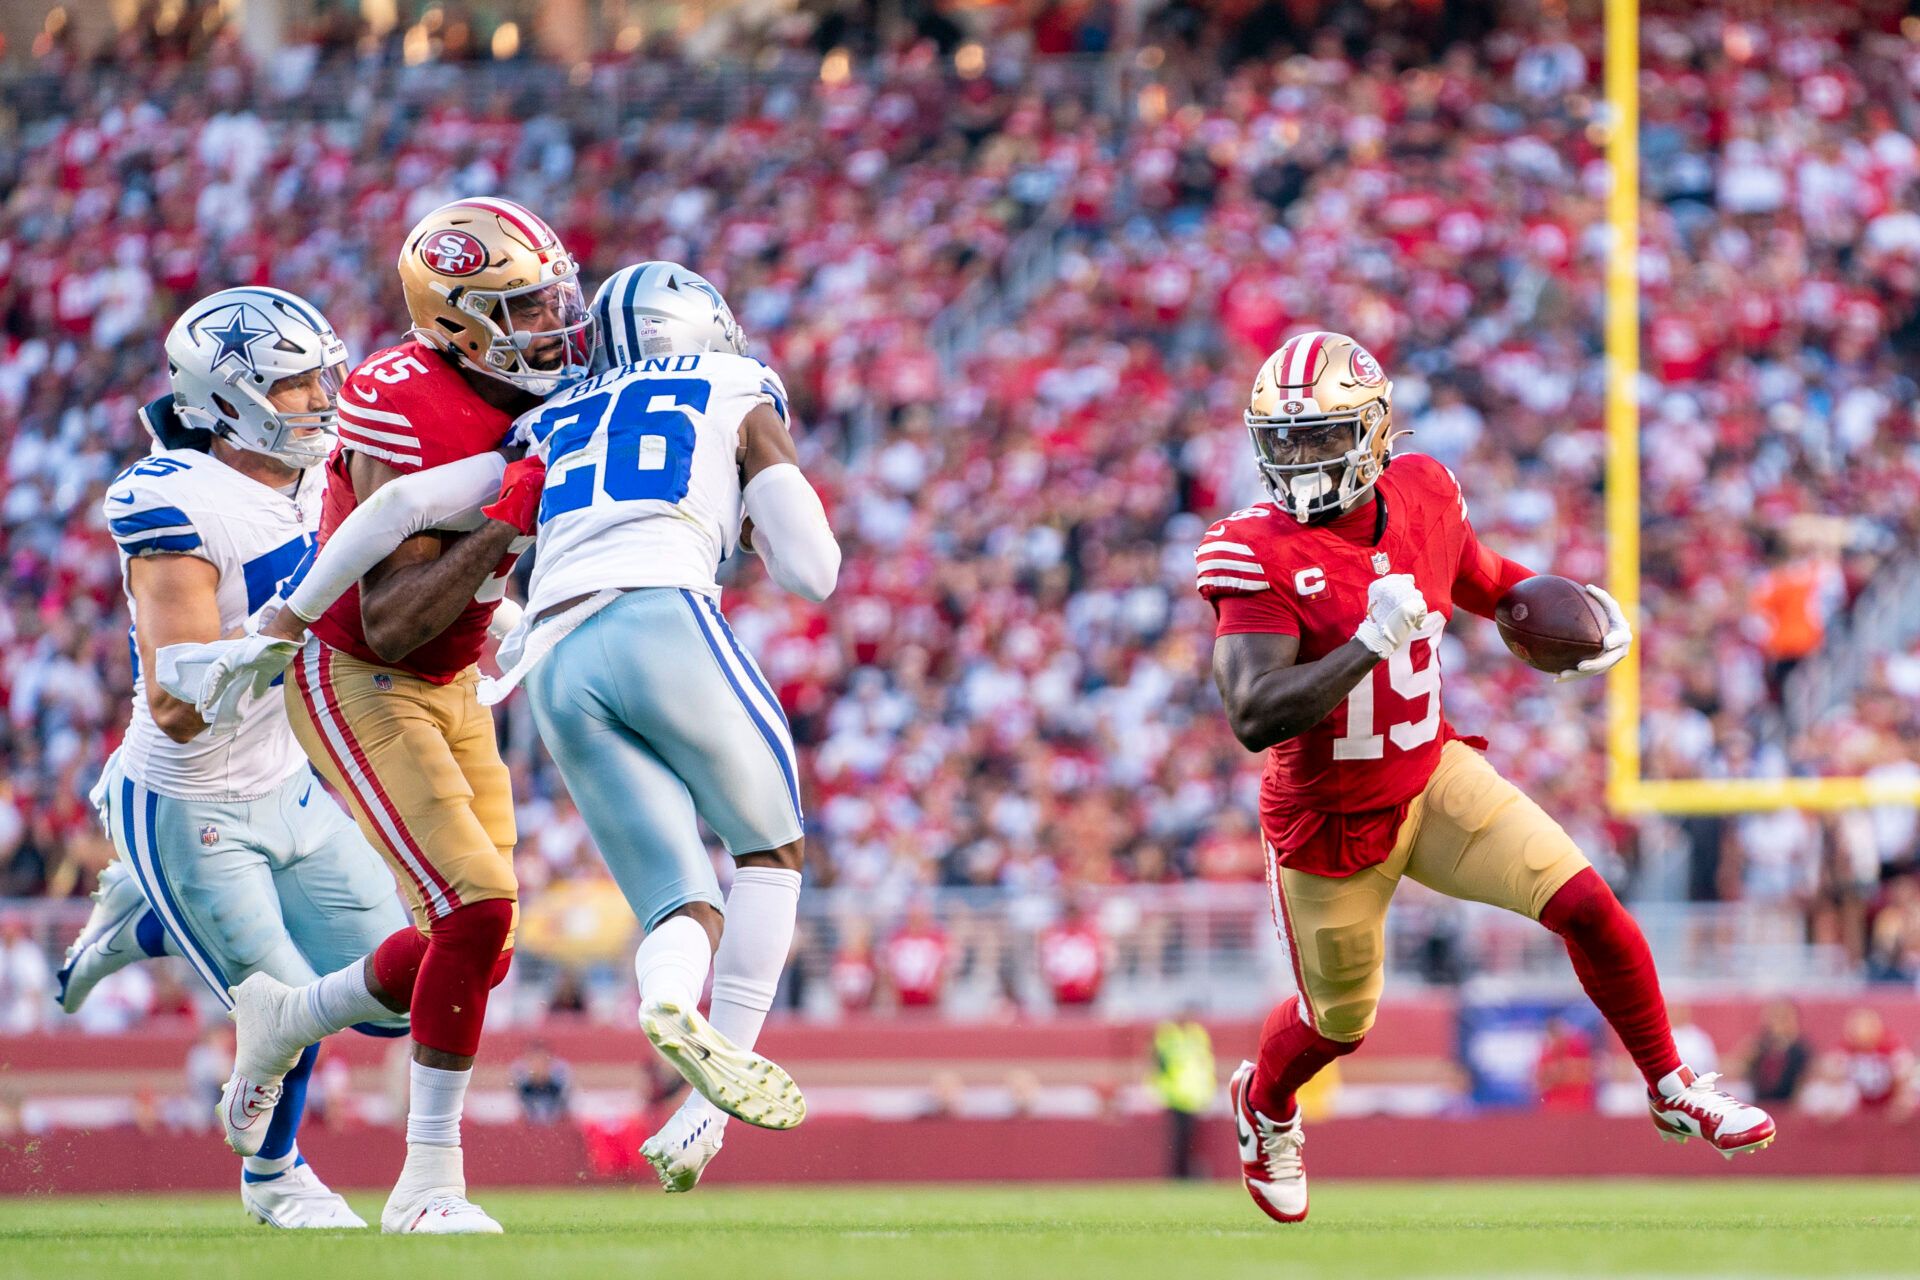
(1321,416)
(490,284)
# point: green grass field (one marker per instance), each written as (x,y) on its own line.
(1692,1229)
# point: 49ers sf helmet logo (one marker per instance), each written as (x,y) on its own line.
(453,253)
(1366,370)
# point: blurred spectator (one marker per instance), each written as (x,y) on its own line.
(1829,1094)
(544,1085)
(1696,1047)
(1185,1081)
(914,960)
(1893,937)
(1564,1073)
(209,1063)
(26,980)
(1777,1060)
(852,975)
(1072,956)
(1877,1063)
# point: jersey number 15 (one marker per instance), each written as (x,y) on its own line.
(633,443)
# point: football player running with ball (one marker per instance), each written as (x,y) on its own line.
(1330,601)
(383,696)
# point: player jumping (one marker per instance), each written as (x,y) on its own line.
(1330,603)
(383,695)
(239,855)
(658,468)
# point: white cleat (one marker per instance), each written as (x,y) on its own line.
(431,1197)
(738,1081)
(446,1213)
(1719,1119)
(264,1051)
(685,1145)
(1272,1164)
(107,943)
(298,1201)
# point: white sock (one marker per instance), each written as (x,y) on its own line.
(1672,1083)
(341,1000)
(430,1168)
(761,907)
(261,1167)
(435,1099)
(672,963)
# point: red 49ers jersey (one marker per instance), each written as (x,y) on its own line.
(1332,798)
(410,408)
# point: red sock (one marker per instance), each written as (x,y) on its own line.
(1291,1053)
(1610,954)
(396,964)
(450,995)
(500,967)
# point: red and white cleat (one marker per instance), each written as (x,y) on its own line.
(1270,1154)
(1699,1110)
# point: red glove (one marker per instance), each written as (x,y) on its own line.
(519,500)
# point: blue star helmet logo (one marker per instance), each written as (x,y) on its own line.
(236,338)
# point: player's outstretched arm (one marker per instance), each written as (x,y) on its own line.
(417,591)
(785,523)
(176,601)
(1269,697)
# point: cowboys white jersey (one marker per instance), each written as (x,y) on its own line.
(184,502)
(643,475)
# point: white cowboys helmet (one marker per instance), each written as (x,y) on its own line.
(661,308)
(229,349)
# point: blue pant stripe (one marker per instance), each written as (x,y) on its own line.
(783,740)
(753,712)
(145,859)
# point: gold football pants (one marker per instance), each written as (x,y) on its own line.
(1469,834)
(420,767)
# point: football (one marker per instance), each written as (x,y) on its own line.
(1551,623)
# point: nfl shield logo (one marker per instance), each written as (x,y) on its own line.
(383,682)
(1380,564)
(209,835)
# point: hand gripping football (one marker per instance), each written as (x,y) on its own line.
(1552,624)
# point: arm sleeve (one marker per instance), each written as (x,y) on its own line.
(1258,613)
(791,533)
(1484,576)
(449,495)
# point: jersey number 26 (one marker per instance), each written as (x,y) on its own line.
(633,444)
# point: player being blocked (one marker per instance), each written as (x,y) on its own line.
(383,696)
(657,469)
(231,854)
(1330,602)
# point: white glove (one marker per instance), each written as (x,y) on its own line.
(215,677)
(1395,610)
(1616,642)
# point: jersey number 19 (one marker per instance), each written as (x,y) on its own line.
(1360,741)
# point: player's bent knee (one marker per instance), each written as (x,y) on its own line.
(788,857)
(477,927)
(1582,904)
(1346,1022)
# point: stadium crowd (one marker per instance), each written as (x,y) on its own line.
(1011,686)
